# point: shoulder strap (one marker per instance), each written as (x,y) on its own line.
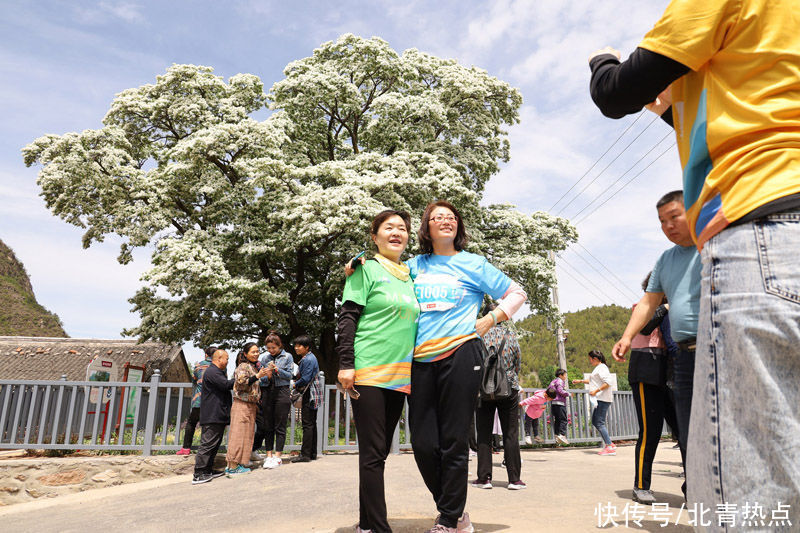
(502,345)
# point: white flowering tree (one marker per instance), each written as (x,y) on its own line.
(250,221)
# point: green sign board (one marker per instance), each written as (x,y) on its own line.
(135,375)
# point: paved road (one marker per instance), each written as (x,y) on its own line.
(565,487)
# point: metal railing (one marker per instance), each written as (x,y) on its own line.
(621,421)
(150,417)
(91,415)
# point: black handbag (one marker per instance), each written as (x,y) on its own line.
(494,382)
(297,397)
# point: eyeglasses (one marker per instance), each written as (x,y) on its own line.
(352,392)
(443,218)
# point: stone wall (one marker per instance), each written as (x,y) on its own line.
(24,480)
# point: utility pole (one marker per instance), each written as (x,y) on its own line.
(562,356)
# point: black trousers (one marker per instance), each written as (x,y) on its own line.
(653,406)
(271,418)
(376,413)
(531,426)
(559,413)
(473,436)
(508,413)
(191,425)
(309,416)
(210,439)
(441,404)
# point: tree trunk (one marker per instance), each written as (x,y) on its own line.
(328,360)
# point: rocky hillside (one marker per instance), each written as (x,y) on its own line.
(20,314)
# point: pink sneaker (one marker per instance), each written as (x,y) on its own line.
(184,451)
(608,450)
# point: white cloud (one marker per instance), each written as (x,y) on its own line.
(540,46)
(87,288)
(104,12)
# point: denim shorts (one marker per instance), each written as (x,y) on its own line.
(744,441)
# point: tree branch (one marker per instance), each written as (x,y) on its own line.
(189,213)
(226,170)
(178,226)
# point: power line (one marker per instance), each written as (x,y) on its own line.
(622,175)
(601,274)
(605,277)
(581,284)
(635,296)
(626,184)
(598,160)
(561,210)
(609,298)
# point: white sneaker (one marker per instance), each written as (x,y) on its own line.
(276,462)
(268,462)
(528,440)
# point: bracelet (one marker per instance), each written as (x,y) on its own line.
(494,318)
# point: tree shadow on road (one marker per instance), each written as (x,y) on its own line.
(673,463)
(415,525)
(673,500)
(650,526)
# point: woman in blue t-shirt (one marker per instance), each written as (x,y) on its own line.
(450,284)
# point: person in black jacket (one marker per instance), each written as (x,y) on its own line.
(215,414)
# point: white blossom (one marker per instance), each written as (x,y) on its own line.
(251,221)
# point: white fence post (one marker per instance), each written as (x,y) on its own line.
(322,418)
(149,424)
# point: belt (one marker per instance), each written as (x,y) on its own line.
(688,346)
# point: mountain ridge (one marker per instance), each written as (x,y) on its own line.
(20,313)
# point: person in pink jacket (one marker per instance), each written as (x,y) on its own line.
(534,404)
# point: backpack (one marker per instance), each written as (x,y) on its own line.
(494,382)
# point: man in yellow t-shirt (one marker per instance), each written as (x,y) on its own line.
(726,75)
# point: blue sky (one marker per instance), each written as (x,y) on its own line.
(61,63)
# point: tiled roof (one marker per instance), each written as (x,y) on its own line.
(48,358)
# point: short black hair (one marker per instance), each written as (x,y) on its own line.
(210,351)
(550,393)
(302,340)
(560,372)
(381,217)
(672,196)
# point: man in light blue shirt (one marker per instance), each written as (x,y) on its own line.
(676,275)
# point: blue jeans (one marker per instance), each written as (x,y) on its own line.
(599,420)
(682,385)
(744,441)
